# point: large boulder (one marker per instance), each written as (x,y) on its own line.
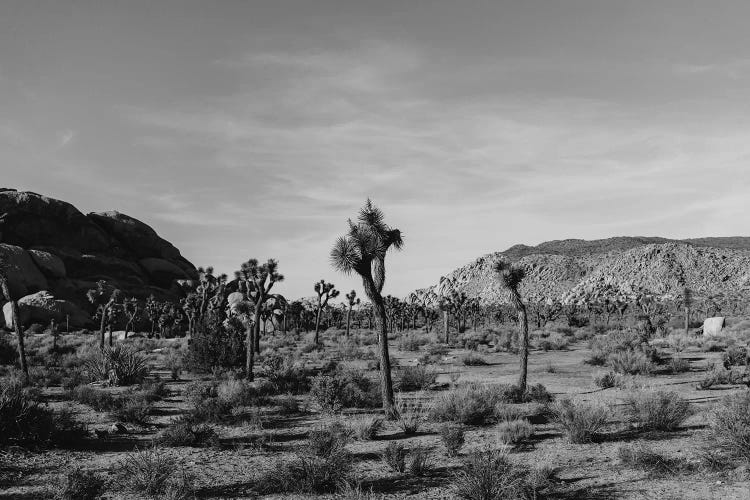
(42,307)
(136,236)
(23,276)
(49,264)
(28,219)
(713,326)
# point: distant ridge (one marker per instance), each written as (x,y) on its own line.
(561,268)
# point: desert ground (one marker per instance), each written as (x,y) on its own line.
(263,428)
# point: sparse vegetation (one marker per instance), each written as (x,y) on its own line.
(580,421)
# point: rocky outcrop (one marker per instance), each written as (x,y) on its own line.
(570,267)
(42,307)
(51,246)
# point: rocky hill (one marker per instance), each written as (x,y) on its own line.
(557,268)
(52,246)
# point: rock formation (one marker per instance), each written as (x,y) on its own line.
(51,246)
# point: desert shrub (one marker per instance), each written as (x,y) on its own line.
(580,421)
(630,363)
(419,462)
(394,456)
(537,393)
(453,438)
(679,365)
(119,365)
(23,419)
(326,440)
(640,456)
(287,375)
(411,413)
(307,474)
(606,380)
(81,484)
(366,428)
(472,359)
(734,356)
(133,408)
(74,378)
(554,343)
(411,342)
(490,475)
(416,378)
(199,390)
(98,399)
(145,471)
(183,432)
(437,349)
(345,389)
(717,376)
(153,390)
(236,392)
(217,344)
(730,424)
(471,405)
(657,411)
(288,404)
(513,432)
(174,363)
(210,410)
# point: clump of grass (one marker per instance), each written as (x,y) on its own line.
(411,414)
(657,411)
(513,432)
(81,484)
(366,428)
(345,389)
(182,432)
(133,409)
(473,359)
(640,456)
(416,378)
(607,380)
(735,356)
(394,456)
(328,439)
(580,421)
(453,438)
(419,462)
(490,475)
(679,365)
(730,425)
(145,471)
(307,474)
(630,362)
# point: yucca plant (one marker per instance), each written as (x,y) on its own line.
(119,364)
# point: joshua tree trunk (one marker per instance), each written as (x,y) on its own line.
(317,325)
(446,327)
(17,326)
(687,320)
(250,353)
(101,329)
(348,321)
(523,328)
(109,329)
(255,341)
(386,384)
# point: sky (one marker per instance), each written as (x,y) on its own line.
(241,129)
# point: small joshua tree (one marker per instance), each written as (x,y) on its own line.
(351,301)
(510,278)
(363,250)
(325,291)
(5,288)
(153,311)
(106,299)
(687,304)
(132,311)
(258,280)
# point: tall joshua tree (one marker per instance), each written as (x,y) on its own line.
(106,299)
(351,301)
(325,291)
(363,250)
(258,279)
(5,288)
(687,304)
(510,278)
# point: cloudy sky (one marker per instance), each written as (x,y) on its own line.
(253,128)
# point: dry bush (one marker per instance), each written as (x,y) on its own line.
(657,411)
(640,456)
(80,484)
(513,432)
(419,462)
(679,365)
(472,359)
(630,362)
(394,456)
(416,378)
(365,427)
(490,475)
(328,439)
(147,472)
(183,432)
(307,474)
(730,424)
(735,356)
(471,404)
(580,421)
(411,414)
(345,388)
(453,438)
(287,375)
